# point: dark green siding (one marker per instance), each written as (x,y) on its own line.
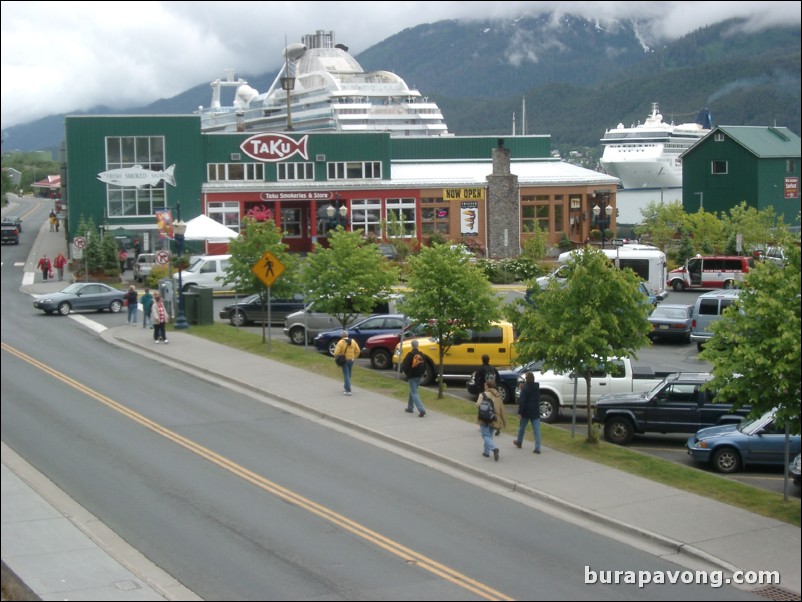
(469,148)
(86,157)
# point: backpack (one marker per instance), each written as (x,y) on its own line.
(487,412)
(417,361)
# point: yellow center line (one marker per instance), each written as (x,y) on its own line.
(377,539)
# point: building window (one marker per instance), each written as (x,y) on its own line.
(235,172)
(145,154)
(434,216)
(719,137)
(291,222)
(535,212)
(355,170)
(227,213)
(790,166)
(366,216)
(718,167)
(401,218)
(559,211)
(295,171)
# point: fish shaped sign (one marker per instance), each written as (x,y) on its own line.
(272,147)
(137,176)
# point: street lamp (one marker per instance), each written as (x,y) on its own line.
(608,212)
(179,228)
(330,213)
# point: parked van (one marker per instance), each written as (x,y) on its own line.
(143,266)
(208,271)
(710,272)
(646,261)
(706,311)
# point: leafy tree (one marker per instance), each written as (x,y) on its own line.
(450,294)
(759,341)
(707,232)
(346,278)
(100,253)
(598,315)
(661,221)
(756,228)
(686,249)
(247,250)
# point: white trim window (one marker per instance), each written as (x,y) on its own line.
(355,170)
(227,213)
(146,152)
(236,172)
(295,171)
(401,214)
(366,216)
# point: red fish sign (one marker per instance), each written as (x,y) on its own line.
(272,148)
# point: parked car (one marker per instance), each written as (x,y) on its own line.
(671,322)
(81,296)
(10,234)
(509,380)
(388,250)
(361,331)
(794,470)
(14,220)
(729,448)
(143,266)
(250,310)
(208,271)
(708,309)
(379,348)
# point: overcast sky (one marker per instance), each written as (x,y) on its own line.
(59,57)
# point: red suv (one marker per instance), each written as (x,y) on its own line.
(380,348)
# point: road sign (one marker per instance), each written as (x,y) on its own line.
(79,242)
(268,268)
(162,257)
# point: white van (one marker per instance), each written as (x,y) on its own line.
(208,271)
(648,262)
(719,271)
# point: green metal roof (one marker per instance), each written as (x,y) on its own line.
(763,142)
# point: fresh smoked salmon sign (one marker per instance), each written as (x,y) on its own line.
(272,148)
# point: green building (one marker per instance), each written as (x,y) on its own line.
(733,164)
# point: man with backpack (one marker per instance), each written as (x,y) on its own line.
(490,417)
(485,372)
(414,366)
(346,351)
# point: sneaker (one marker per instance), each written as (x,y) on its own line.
(348,393)
(517,444)
(421,414)
(157,341)
(485,455)
(537,451)
(498,432)
(495,454)
(166,341)
(408,410)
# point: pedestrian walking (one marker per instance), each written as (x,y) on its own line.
(491,417)
(346,351)
(45,266)
(485,372)
(158,313)
(132,300)
(53,220)
(414,366)
(147,304)
(529,410)
(122,257)
(60,262)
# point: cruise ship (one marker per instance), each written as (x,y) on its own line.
(322,88)
(647,155)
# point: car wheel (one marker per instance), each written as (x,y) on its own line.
(728,284)
(115,306)
(297,335)
(504,393)
(678,286)
(381,359)
(618,430)
(726,460)
(549,408)
(64,308)
(237,318)
(429,375)
(332,346)
(699,346)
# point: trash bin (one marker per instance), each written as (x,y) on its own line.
(191,306)
(166,290)
(205,307)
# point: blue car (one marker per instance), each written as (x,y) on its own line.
(361,331)
(730,447)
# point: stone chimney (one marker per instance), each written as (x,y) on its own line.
(503,207)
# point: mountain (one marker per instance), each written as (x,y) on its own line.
(579,78)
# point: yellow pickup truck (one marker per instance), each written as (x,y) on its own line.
(465,355)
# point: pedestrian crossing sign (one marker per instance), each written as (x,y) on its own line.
(268,268)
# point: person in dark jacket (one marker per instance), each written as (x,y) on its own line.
(414,366)
(529,410)
(485,372)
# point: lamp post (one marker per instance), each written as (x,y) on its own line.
(330,213)
(343,211)
(607,208)
(179,228)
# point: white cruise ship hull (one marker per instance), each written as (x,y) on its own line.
(645,172)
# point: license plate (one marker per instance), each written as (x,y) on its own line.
(663,326)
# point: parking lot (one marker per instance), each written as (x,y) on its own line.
(662,355)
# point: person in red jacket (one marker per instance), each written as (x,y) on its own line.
(60,262)
(45,266)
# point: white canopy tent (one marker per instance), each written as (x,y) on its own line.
(205,228)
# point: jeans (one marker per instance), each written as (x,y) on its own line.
(535,428)
(347,375)
(414,398)
(160,332)
(133,313)
(487,431)
(146,318)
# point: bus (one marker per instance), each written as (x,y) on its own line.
(648,262)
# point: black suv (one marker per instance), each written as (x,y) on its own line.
(678,404)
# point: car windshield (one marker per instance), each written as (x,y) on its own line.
(749,426)
(73,288)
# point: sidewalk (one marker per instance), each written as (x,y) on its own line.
(676,525)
